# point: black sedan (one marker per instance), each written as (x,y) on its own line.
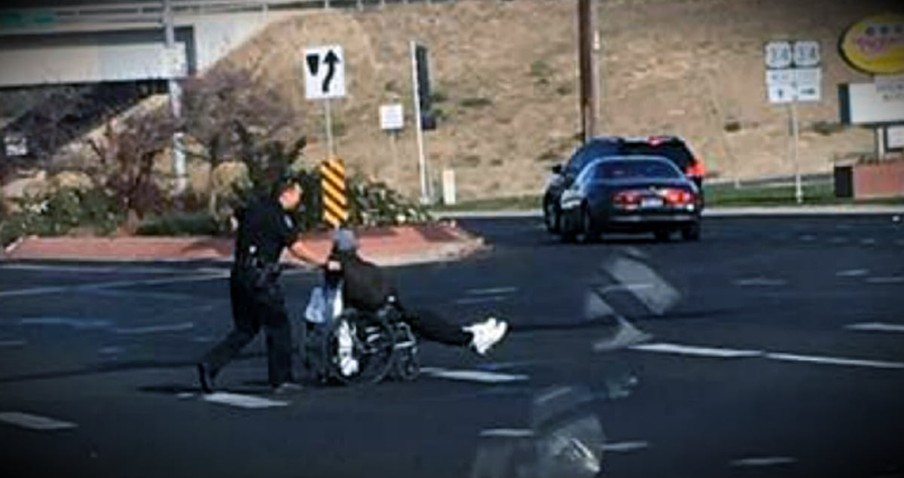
(631,194)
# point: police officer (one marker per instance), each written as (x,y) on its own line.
(265,228)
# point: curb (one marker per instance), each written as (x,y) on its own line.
(710,212)
(395,246)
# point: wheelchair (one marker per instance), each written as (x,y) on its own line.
(380,344)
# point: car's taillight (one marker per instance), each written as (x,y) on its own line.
(677,196)
(696,168)
(626,198)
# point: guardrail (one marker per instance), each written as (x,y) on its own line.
(152,11)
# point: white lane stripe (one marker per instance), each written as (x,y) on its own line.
(886,280)
(876,327)
(91,269)
(492,291)
(625,447)
(760,282)
(107,285)
(808,238)
(839,240)
(697,351)
(242,401)
(13,343)
(74,322)
(763,461)
(835,361)
(507,433)
(852,273)
(34,422)
(153,329)
(473,375)
(480,300)
(868,241)
(625,287)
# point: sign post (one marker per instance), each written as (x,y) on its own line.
(419,127)
(325,80)
(392,120)
(793,75)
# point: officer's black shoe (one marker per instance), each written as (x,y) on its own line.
(205,378)
(287,388)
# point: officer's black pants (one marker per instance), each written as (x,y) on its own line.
(251,309)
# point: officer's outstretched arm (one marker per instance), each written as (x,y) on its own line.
(302,253)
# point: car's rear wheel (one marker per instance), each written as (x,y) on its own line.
(552,218)
(663,235)
(691,233)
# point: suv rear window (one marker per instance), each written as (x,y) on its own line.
(676,151)
(591,151)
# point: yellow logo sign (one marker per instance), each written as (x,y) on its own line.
(876,44)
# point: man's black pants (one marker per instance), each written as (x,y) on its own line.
(431,326)
(253,308)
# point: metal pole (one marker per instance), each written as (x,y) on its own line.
(331,150)
(596,86)
(880,143)
(795,130)
(418,127)
(586,64)
(175,97)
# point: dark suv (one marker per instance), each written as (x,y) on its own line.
(670,147)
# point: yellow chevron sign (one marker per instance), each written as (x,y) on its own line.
(335,199)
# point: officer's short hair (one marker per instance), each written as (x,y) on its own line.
(285,181)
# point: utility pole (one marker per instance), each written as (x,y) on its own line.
(175,97)
(588,47)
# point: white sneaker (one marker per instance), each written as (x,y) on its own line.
(487,334)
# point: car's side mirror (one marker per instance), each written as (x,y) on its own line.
(557,169)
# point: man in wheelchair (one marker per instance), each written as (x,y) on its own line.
(368,294)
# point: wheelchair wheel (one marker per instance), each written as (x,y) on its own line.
(359,351)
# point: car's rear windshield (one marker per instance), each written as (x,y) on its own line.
(673,150)
(636,169)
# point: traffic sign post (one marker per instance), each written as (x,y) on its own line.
(324,69)
(793,75)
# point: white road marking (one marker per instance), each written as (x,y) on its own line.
(876,327)
(852,273)
(658,298)
(552,394)
(808,238)
(13,343)
(763,461)
(87,269)
(839,240)
(473,375)
(203,340)
(34,422)
(626,287)
(697,351)
(868,241)
(625,447)
(185,395)
(507,433)
(153,329)
(760,282)
(242,401)
(107,285)
(886,280)
(74,322)
(110,350)
(493,291)
(141,294)
(835,361)
(480,300)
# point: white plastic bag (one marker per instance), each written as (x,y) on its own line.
(324,305)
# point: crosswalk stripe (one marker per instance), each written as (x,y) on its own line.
(34,422)
(473,375)
(242,401)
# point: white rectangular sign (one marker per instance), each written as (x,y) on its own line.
(894,137)
(808,84)
(806,54)
(868,105)
(324,72)
(392,117)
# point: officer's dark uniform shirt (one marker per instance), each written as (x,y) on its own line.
(264,230)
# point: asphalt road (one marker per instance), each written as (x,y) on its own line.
(771,348)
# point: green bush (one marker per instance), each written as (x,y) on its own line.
(478,102)
(59,211)
(375,204)
(181,224)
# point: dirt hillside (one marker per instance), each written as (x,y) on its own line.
(505,81)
